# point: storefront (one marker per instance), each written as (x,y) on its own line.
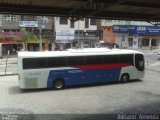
(13,48)
(33,45)
(64,39)
(108,34)
(140,36)
(11,43)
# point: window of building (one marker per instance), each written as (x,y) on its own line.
(145,42)
(28,18)
(109,21)
(45,19)
(63,20)
(81,32)
(71,24)
(92,21)
(10,18)
(130,42)
(82,19)
(86,23)
(123,37)
(10,30)
(6,30)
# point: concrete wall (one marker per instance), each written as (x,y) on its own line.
(67,26)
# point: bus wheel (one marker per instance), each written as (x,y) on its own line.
(125,77)
(58,84)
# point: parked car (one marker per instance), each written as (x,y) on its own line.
(110,45)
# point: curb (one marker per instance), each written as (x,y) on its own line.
(1,75)
(8,63)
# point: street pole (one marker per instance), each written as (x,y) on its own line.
(41,25)
(78,35)
(40,38)
(7,61)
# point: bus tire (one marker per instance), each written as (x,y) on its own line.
(125,77)
(58,84)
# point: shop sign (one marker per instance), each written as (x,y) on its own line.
(120,29)
(28,23)
(65,35)
(140,30)
(145,30)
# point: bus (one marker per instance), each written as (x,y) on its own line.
(57,69)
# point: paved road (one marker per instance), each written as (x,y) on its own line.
(141,96)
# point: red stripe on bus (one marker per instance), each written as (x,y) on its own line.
(104,66)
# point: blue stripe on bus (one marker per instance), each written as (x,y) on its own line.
(80,76)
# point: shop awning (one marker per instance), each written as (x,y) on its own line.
(12,34)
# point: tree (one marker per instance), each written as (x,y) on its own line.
(28,36)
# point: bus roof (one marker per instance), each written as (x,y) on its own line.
(76,52)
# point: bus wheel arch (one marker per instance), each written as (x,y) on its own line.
(58,83)
(125,77)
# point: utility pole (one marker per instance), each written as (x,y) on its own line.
(78,36)
(40,24)
(40,38)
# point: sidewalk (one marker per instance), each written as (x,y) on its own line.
(148,51)
(10,61)
(11,68)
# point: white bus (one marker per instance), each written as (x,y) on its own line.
(78,66)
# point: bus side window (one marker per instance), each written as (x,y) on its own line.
(76,60)
(56,62)
(93,60)
(110,59)
(128,58)
(34,63)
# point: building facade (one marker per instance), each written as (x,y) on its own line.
(60,33)
(55,33)
(74,33)
(43,29)
(132,34)
(12,37)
